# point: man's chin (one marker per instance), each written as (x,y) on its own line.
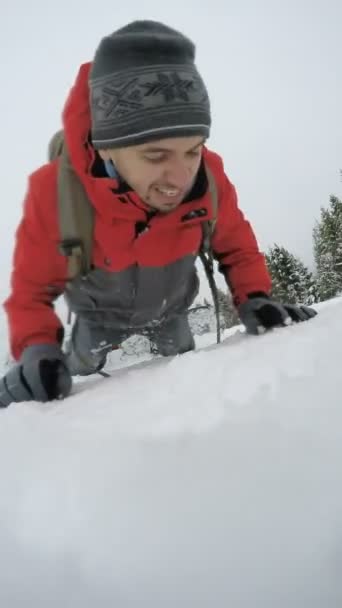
(167,205)
(169,208)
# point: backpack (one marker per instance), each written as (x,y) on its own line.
(76,220)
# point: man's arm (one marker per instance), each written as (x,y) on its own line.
(39,270)
(236,249)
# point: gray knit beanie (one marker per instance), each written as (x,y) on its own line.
(144,85)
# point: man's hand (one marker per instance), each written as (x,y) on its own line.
(260,313)
(40,375)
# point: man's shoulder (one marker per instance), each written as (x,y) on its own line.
(44,176)
(214,161)
(216,164)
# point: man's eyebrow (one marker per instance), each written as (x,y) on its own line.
(165,149)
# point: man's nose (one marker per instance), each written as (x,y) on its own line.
(178,173)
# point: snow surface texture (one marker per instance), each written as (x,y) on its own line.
(211,479)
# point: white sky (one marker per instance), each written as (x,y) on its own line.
(273,73)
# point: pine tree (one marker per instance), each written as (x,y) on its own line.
(327,237)
(202,318)
(229,315)
(292,282)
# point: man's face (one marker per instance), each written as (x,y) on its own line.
(161,172)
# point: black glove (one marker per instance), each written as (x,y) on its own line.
(40,375)
(260,313)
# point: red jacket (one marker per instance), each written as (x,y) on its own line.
(39,269)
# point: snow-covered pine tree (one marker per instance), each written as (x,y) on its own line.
(202,317)
(229,315)
(327,237)
(292,281)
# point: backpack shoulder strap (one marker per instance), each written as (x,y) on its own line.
(56,145)
(75,212)
(208,226)
(206,252)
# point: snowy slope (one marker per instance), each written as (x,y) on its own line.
(212,479)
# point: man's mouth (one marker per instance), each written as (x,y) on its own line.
(169,192)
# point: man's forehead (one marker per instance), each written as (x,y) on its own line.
(172,144)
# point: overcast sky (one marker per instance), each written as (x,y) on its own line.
(272,69)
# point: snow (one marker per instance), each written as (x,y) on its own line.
(210,479)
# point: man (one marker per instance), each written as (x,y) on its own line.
(135,126)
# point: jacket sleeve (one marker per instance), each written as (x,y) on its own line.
(236,249)
(38,273)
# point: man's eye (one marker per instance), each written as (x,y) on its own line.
(159,158)
(154,158)
(194,153)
